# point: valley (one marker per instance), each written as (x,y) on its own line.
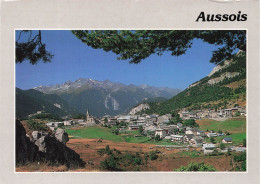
(87,125)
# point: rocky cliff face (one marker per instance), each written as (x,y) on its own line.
(139,108)
(42,146)
(223,76)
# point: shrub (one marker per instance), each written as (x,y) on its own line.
(111,163)
(153,155)
(222,146)
(244,142)
(212,140)
(194,166)
(157,138)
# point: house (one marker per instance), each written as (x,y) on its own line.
(150,128)
(238,149)
(221,113)
(50,124)
(58,124)
(200,132)
(212,134)
(153,117)
(171,129)
(228,112)
(196,141)
(124,118)
(161,132)
(184,114)
(208,148)
(162,119)
(67,123)
(168,137)
(187,137)
(133,127)
(179,125)
(189,130)
(227,140)
(192,115)
(80,121)
(177,138)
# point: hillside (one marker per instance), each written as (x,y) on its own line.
(224,87)
(105,97)
(30,101)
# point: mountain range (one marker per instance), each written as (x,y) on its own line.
(99,97)
(30,101)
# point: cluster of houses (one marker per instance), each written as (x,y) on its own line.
(212,113)
(154,125)
(159,126)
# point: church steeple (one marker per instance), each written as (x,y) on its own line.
(89,119)
(87,115)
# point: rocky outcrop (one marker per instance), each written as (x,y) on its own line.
(26,151)
(220,67)
(223,76)
(41,146)
(61,136)
(139,108)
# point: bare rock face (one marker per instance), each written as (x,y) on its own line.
(139,108)
(35,135)
(61,136)
(43,146)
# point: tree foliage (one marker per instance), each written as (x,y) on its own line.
(32,49)
(212,140)
(222,146)
(34,125)
(138,45)
(190,123)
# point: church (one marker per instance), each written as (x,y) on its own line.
(89,119)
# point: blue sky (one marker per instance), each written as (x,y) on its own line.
(73,60)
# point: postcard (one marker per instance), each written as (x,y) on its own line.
(133,91)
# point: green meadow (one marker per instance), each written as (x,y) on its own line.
(97,132)
(94,132)
(231,125)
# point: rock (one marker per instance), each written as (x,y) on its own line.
(44,147)
(58,152)
(61,136)
(41,143)
(25,150)
(35,135)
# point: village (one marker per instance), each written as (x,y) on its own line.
(169,127)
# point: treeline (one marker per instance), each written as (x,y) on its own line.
(47,116)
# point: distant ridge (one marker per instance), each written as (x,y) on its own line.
(105,97)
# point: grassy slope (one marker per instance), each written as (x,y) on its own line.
(237,128)
(232,126)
